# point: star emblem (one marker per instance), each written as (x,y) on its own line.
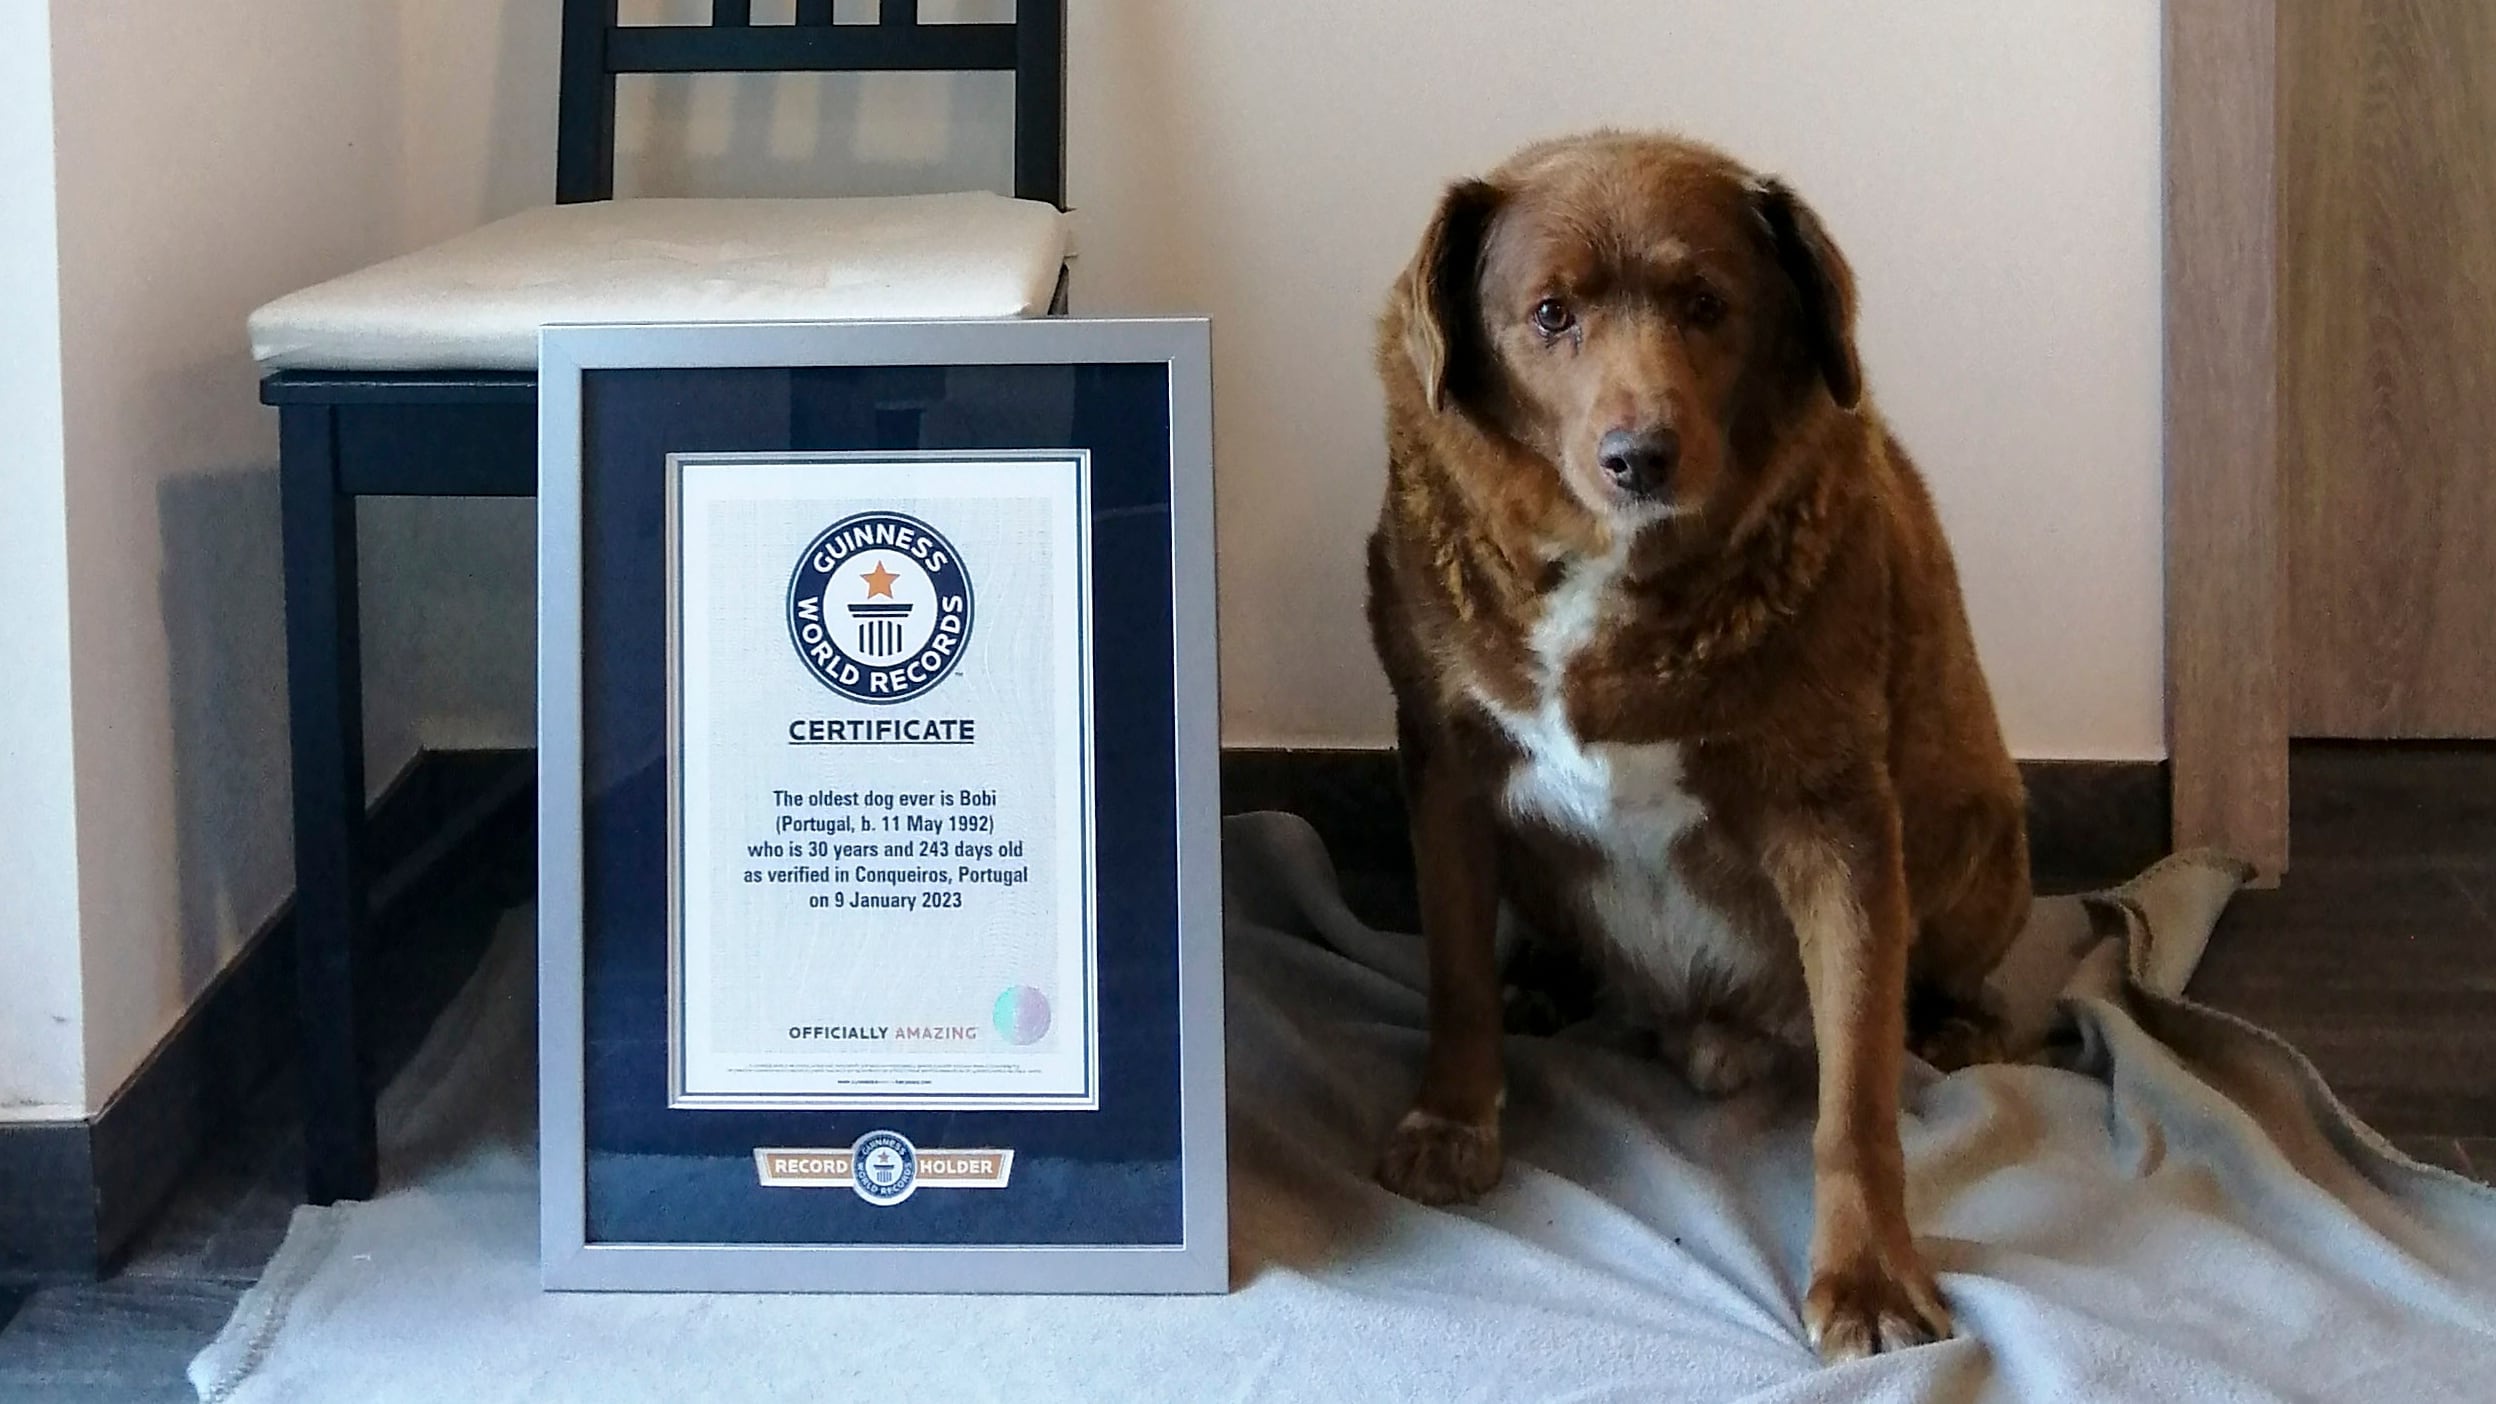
(879,582)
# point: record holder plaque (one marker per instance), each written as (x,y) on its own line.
(879,892)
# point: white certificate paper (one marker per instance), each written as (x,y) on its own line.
(881,791)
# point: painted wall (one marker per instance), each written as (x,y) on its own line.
(211,155)
(42,1073)
(449,585)
(1992,170)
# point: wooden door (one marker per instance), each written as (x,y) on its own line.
(2387,151)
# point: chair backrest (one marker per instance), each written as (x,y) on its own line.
(596,49)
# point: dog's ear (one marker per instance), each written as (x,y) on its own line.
(1823,282)
(1440,293)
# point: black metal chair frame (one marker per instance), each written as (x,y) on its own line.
(350,434)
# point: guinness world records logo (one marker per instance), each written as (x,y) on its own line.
(884,1168)
(880,607)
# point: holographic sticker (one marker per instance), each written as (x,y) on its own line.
(1022,1015)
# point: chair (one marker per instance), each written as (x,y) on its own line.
(416,377)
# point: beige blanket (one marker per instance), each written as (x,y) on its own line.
(2172,1208)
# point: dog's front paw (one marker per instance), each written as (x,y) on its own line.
(1866,1307)
(1431,1159)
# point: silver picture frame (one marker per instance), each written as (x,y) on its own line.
(570,1260)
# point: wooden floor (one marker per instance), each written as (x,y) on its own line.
(2378,957)
(131,1337)
(128,1339)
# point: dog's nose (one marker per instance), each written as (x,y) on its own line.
(1639,461)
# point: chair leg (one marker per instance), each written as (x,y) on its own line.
(325,700)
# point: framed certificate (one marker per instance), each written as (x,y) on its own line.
(883,879)
(879,901)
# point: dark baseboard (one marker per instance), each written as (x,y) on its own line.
(2095,823)
(74,1194)
(2090,823)
(1353,798)
(454,838)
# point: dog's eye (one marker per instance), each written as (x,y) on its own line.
(1705,309)
(1552,316)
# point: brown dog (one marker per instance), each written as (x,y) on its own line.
(1682,672)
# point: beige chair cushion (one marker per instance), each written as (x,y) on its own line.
(477,301)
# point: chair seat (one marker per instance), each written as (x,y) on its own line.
(476,302)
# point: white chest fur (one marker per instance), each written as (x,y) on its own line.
(1628,803)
